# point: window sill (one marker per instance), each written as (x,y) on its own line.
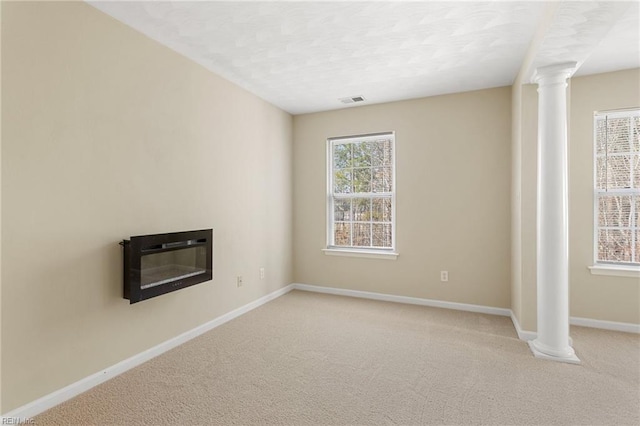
(616,270)
(361,253)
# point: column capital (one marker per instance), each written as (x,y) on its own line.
(556,73)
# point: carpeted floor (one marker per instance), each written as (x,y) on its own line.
(313,359)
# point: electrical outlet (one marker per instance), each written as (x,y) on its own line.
(239,281)
(262,273)
(444,276)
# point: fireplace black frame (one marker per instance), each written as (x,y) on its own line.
(141,245)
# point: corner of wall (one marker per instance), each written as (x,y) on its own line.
(523,203)
(516,209)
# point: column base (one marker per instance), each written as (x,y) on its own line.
(570,357)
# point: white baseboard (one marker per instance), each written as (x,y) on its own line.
(522,334)
(582,322)
(605,325)
(405,299)
(51,400)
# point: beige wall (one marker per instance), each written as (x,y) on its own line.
(524,170)
(516,197)
(594,296)
(529,202)
(453,198)
(107,134)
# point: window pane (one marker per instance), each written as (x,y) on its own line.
(381,179)
(381,235)
(601,173)
(377,182)
(618,136)
(637,253)
(637,215)
(361,235)
(381,153)
(342,182)
(361,154)
(614,245)
(381,209)
(614,172)
(601,136)
(636,134)
(377,154)
(341,156)
(342,210)
(362,180)
(342,234)
(635,161)
(614,210)
(619,172)
(361,209)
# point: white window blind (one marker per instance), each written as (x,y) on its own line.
(361,192)
(617,187)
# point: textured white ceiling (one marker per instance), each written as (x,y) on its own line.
(581,27)
(620,48)
(303,56)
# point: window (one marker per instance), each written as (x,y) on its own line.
(617,188)
(361,193)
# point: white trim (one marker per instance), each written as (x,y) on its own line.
(560,71)
(330,213)
(404,299)
(51,400)
(597,193)
(625,327)
(350,195)
(569,358)
(605,325)
(615,270)
(370,254)
(361,138)
(522,334)
(618,113)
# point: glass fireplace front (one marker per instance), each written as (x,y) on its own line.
(164,267)
(161,263)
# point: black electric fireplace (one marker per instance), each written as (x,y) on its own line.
(161,263)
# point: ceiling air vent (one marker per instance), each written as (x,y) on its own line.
(352,99)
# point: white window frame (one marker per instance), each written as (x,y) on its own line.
(367,252)
(612,268)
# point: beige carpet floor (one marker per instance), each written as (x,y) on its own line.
(313,359)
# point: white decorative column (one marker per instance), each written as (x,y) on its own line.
(552,341)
